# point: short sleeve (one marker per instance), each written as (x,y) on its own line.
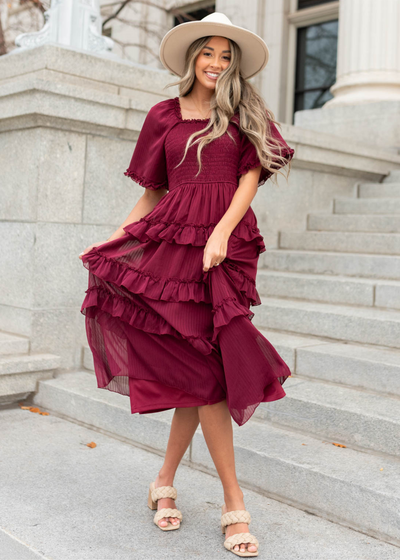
(148,166)
(249,158)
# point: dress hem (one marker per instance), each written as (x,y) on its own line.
(169,406)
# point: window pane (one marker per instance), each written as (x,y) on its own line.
(314,99)
(315,64)
(193,15)
(308,3)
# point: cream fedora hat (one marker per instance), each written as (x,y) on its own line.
(173,47)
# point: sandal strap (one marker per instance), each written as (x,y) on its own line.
(240,538)
(167,512)
(235,516)
(163,492)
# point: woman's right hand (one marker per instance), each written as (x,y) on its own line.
(91,247)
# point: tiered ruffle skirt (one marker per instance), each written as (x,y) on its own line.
(169,335)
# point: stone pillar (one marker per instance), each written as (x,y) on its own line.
(368,52)
(72,23)
(366,102)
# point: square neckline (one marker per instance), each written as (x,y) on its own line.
(178,111)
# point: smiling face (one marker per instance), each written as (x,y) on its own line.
(214,57)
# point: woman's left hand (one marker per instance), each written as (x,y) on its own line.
(215,250)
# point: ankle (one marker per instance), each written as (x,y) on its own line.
(165,478)
(233,498)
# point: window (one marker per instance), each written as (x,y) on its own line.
(182,15)
(315,63)
(302,4)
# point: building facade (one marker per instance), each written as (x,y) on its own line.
(302,36)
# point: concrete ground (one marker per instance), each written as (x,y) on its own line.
(62,500)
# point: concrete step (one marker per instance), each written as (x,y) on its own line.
(366,205)
(330,289)
(364,325)
(371,368)
(357,489)
(288,344)
(20,373)
(327,263)
(379,190)
(87,358)
(361,420)
(393,177)
(346,242)
(90,501)
(13,344)
(374,223)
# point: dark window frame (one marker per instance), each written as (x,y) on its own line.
(300,88)
(304,4)
(194,14)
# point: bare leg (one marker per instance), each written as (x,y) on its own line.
(216,424)
(183,426)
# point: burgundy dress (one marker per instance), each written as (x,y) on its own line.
(160,329)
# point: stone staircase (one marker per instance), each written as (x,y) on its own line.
(331,307)
(20,370)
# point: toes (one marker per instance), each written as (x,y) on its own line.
(164,521)
(242,548)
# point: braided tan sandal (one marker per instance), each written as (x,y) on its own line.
(156,494)
(238,516)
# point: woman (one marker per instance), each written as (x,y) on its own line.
(167,309)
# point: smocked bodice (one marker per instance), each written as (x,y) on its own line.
(219,159)
(161,145)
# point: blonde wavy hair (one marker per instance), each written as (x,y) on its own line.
(233,93)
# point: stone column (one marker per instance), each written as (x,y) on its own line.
(72,23)
(368,52)
(366,102)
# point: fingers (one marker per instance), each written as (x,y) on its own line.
(88,249)
(207,260)
(206,268)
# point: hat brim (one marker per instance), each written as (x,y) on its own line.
(173,47)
